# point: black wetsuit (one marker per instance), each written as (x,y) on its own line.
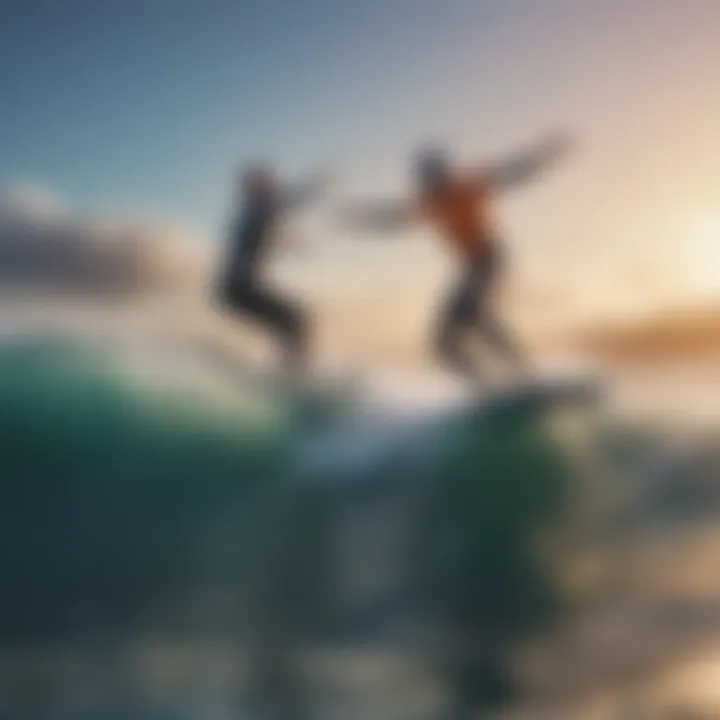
(469,310)
(242,289)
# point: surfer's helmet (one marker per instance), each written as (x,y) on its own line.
(432,166)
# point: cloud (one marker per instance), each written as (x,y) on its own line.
(30,202)
(678,335)
(46,247)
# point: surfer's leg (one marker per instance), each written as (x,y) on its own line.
(502,339)
(282,317)
(490,327)
(287,321)
(457,318)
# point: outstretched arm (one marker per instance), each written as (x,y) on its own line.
(526,166)
(379,217)
(305,191)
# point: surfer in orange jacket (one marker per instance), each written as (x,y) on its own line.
(458,204)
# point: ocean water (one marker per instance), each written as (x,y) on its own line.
(176,536)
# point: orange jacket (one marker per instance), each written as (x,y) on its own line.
(461,213)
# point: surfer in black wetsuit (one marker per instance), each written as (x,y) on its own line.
(242,289)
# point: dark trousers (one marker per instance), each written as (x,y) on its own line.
(467,312)
(282,317)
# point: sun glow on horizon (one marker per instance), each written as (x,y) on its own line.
(701,249)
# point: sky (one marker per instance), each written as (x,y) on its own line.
(146,107)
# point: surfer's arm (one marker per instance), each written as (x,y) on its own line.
(527,165)
(305,191)
(379,217)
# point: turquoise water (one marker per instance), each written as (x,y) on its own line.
(125,499)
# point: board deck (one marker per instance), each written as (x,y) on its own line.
(540,391)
